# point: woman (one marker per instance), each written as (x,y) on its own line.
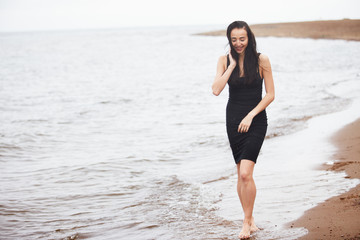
(245,70)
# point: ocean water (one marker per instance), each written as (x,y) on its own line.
(115,134)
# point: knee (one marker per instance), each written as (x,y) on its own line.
(245,176)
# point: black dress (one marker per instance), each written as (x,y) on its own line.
(242,99)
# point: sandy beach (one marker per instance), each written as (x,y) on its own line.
(348,29)
(338,217)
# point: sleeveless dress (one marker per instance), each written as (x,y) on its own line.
(242,99)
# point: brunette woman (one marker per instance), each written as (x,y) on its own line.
(245,70)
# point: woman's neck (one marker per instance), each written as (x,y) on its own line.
(242,56)
(241,59)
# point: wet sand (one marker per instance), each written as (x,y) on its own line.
(338,217)
(347,29)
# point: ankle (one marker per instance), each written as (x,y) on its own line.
(248,220)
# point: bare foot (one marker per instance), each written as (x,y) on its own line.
(245,231)
(253,227)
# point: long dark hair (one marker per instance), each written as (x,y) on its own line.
(251,60)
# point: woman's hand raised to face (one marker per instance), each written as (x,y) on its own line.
(232,60)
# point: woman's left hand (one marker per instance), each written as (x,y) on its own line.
(245,124)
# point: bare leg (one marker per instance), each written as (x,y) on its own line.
(239,184)
(247,192)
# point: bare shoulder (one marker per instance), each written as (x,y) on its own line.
(223,61)
(264,60)
(223,58)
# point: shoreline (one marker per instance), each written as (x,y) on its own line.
(345,29)
(298,184)
(338,217)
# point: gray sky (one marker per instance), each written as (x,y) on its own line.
(25,15)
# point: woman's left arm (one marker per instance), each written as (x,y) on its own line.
(266,73)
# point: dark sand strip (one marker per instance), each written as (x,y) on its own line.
(338,217)
(347,29)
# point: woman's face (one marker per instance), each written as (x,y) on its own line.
(239,40)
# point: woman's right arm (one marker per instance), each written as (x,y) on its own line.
(222,74)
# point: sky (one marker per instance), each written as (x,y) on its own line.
(30,15)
